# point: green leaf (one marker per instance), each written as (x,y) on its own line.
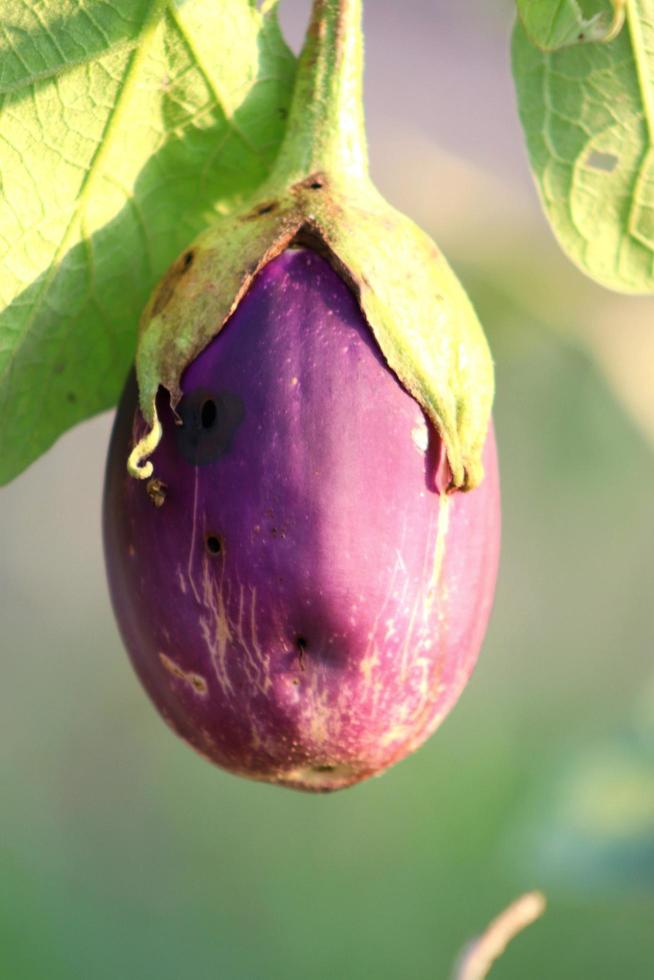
(123,125)
(588,116)
(553,24)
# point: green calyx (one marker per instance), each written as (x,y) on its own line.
(319,195)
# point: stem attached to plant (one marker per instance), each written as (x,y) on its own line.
(325,131)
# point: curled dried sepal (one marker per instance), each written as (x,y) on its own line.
(138,464)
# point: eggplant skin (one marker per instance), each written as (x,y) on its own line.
(307,604)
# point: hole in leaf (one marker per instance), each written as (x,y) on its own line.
(606,162)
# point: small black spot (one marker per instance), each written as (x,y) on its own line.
(208,413)
(324,768)
(314,182)
(187,260)
(267,208)
(208,423)
(213,544)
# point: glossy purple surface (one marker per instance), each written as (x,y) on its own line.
(305,607)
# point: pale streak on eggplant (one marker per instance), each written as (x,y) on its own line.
(317,713)
(215,627)
(368,664)
(398,593)
(401,724)
(371,656)
(196,681)
(408,636)
(444,503)
(264,659)
(399,555)
(181,581)
(408,640)
(431,687)
(221,633)
(428,685)
(255,662)
(194,528)
(217,631)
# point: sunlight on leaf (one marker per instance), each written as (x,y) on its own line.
(122,126)
(588,116)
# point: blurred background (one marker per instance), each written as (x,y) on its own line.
(125,855)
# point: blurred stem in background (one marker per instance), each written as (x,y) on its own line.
(478,957)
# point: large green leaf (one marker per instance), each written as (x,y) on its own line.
(122,125)
(588,115)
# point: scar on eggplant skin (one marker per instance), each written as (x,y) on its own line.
(156,491)
(210,420)
(301,644)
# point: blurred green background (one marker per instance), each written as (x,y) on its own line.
(125,855)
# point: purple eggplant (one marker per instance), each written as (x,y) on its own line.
(300,596)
